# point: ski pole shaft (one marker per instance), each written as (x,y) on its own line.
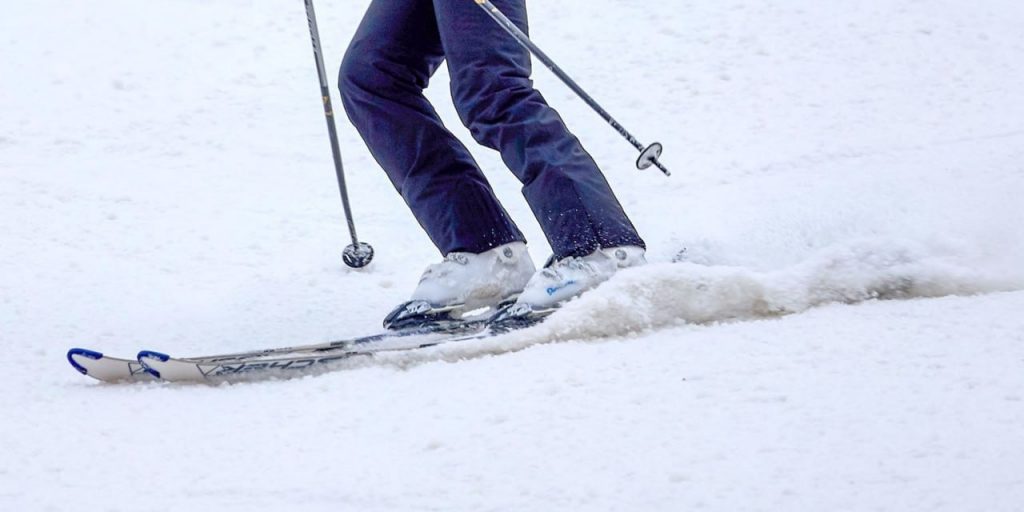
(648,154)
(332,130)
(358,254)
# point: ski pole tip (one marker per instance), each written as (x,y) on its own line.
(663,169)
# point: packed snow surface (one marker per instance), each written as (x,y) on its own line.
(831,320)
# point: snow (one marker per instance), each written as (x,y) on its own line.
(842,331)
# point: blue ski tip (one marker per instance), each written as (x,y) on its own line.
(91,354)
(153,355)
(149,354)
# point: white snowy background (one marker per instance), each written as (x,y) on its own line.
(166,183)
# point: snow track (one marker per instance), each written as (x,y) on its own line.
(842,333)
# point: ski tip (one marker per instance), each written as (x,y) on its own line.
(149,354)
(84,352)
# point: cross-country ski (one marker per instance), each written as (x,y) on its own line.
(280,362)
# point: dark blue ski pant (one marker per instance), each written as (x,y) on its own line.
(395,51)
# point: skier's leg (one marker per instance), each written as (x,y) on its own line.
(388,64)
(495,98)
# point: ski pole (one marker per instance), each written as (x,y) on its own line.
(648,154)
(358,254)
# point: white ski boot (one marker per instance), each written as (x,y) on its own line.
(458,288)
(568,278)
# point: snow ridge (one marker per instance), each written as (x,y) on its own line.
(661,295)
